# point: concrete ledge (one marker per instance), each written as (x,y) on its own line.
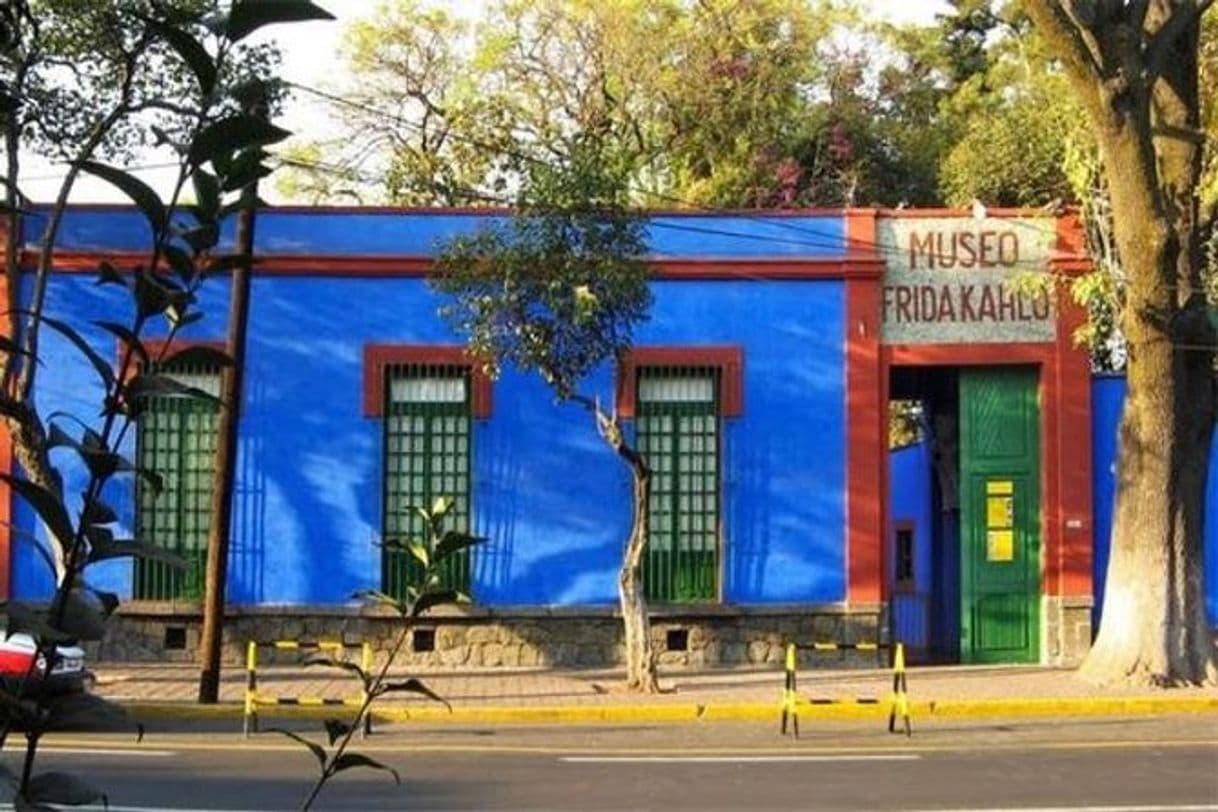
(763,712)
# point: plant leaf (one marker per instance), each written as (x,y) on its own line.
(250,15)
(83,617)
(46,504)
(316,749)
(104,370)
(151,295)
(98,512)
(207,192)
(234,133)
(336,729)
(127,336)
(420,552)
(454,541)
(412,686)
(130,548)
(348,761)
(330,662)
(57,787)
(24,618)
(140,193)
(441,506)
(152,385)
(192,52)
(107,274)
(181,262)
(429,600)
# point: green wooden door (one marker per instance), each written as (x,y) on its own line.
(999,515)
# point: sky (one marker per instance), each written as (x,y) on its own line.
(310,58)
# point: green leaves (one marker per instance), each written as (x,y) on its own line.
(229,135)
(412,686)
(99,364)
(192,52)
(47,505)
(248,16)
(130,548)
(348,761)
(139,192)
(335,730)
(454,541)
(316,749)
(330,662)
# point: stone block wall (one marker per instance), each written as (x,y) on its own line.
(482,639)
(1067,629)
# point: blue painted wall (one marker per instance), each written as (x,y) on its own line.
(910,501)
(387,233)
(1107,398)
(552,499)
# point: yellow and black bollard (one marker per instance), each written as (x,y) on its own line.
(790,699)
(900,692)
(251,689)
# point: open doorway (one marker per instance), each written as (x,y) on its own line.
(924,514)
(964,512)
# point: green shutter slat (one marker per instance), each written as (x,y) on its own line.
(679,439)
(426,452)
(176,438)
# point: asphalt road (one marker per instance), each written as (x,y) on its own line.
(1097,765)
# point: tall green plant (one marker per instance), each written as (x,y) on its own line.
(219,152)
(426,593)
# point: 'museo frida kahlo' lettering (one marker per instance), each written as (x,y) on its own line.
(963,249)
(963,303)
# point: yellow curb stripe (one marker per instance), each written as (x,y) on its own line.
(274,745)
(713,711)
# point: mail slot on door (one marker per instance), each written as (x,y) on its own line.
(1000,520)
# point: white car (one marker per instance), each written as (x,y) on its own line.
(67,671)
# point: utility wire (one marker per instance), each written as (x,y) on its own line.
(819,239)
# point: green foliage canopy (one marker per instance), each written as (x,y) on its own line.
(558,288)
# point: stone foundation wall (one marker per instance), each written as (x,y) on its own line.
(715,636)
(1067,630)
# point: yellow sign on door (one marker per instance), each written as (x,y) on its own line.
(1000,545)
(1000,520)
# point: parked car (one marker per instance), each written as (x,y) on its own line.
(67,672)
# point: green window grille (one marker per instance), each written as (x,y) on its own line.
(427,455)
(678,433)
(176,438)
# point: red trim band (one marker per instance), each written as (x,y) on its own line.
(729,360)
(379,356)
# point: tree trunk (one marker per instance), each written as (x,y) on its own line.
(640,656)
(1135,69)
(1154,629)
(641,675)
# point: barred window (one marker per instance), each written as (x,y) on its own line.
(427,420)
(678,434)
(176,438)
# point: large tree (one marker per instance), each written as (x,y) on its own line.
(712,104)
(557,291)
(1134,69)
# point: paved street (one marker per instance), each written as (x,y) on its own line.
(1166,763)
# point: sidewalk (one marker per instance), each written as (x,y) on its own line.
(553,695)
